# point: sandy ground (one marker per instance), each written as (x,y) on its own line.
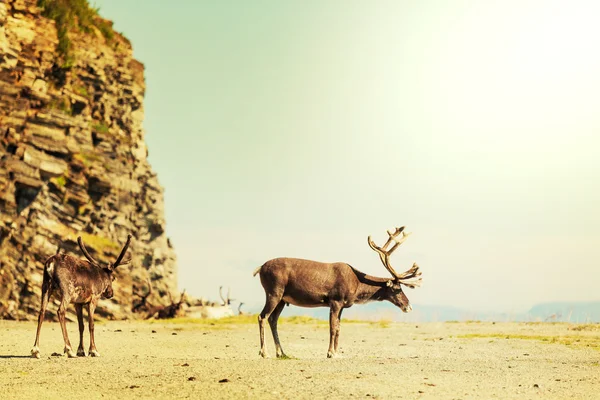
(204,361)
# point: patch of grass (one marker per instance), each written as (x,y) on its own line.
(62,104)
(105,28)
(99,243)
(60,181)
(286,357)
(101,127)
(81,90)
(222,323)
(384,323)
(302,319)
(81,210)
(69,15)
(592,342)
(87,158)
(237,319)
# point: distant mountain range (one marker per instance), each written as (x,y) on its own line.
(578,312)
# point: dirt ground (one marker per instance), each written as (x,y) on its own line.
(204,360)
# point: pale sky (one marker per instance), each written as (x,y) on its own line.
(299,128)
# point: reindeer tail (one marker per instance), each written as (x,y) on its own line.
(256,271)
(49,267)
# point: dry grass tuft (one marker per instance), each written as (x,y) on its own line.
(585,327)
(588,341)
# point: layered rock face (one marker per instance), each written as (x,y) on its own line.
(73,162)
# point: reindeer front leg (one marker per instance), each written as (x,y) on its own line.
(273,323)
(334,324)
(62,309)
(91,309)
(79,309)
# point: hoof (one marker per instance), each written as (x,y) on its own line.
(94,353)
(70,353)
(81,353)
(263,354)
(330,354)
(35,352)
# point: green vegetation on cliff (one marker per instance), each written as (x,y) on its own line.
(70,15)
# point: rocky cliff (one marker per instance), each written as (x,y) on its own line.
(73,159)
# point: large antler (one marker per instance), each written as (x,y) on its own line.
(410,278)
(120,258)
(85,252)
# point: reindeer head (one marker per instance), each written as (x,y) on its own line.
(108,269)
(393,293)
(411,278)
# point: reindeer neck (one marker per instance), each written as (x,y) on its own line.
(370,288)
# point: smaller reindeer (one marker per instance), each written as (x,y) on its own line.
(240,312)
(212,310)
(80,282)
(143,303)
(171,311)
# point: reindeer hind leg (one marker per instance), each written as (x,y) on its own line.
(270,305)
(46,294)
(79,309)
(62,310)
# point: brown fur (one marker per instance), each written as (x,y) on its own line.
(80,282)
(306,283)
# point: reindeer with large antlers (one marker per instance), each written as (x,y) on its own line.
(80,282)
(308,283)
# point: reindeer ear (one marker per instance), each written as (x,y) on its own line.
(389,283)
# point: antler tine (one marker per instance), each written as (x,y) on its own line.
(85,252)
(411,273)
(392,237)
(412,277)
(221,295)
(384,256)
(126,261)
(229,299)
(182,297)
(118,262)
